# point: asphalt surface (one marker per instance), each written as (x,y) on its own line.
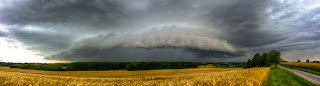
(308,76)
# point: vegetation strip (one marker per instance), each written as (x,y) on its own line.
(282,77)
(80,66)
(308,76)
(302,69)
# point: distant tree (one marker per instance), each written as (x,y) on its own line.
(307,60)
(257,59)
(249,64)
(299,61)
(316,61)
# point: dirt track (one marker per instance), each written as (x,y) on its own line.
(308,76)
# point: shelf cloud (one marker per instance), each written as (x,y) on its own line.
(150,44)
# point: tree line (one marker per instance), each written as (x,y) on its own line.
(160,65)
(264,60)
(76,66)
(38,66)
(79,66)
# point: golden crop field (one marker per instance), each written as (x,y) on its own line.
(116,73)
(312,66)
(243,77)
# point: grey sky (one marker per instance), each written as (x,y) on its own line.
(163,30)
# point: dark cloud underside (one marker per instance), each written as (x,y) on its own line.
(159,30)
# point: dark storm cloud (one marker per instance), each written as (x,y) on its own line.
(60,22)
(139,54)
(125,54)
(120,30)
(156,44)
(245,19)
(68,13)
(214,54)
(46,42)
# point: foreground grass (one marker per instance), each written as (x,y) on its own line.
(238,77)
(303,69)
(282,77)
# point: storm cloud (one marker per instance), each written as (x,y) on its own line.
(156,44)
(161,30)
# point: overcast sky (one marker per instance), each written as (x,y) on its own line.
(158,30)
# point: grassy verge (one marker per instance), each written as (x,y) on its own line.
(282,77)
(302,69)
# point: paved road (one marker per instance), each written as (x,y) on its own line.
(308,76)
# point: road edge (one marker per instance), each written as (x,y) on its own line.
(302,73)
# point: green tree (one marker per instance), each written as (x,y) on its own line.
(307,60)
(275,57)
(299,61)
(257,60)
(266,62)
(131,66)
(249,64)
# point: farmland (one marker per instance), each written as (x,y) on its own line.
(80,66)
(191,76)
(114,73)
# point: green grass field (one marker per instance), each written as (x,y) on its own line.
(281,77)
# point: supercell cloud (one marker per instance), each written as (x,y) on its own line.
(163,30)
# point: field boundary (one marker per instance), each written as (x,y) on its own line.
(302,69)
(308,76)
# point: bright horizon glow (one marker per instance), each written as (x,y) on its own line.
(14,51)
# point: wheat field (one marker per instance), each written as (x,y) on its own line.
(242,77)
(116,73)
(312,66)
